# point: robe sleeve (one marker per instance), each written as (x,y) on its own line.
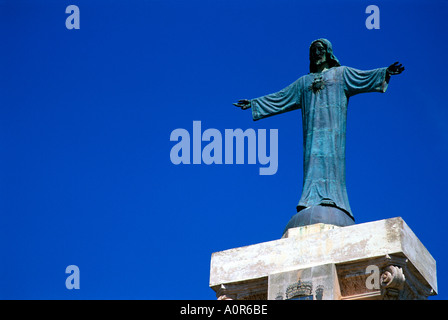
(359,81)
(285,100)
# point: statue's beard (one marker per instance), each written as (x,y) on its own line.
(320,61)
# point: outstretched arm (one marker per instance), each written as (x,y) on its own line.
(376,80)
(275,103)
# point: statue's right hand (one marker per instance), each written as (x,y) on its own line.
(243,104)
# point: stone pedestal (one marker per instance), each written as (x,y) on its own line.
(376,260)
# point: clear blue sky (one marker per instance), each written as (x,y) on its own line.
(86,117)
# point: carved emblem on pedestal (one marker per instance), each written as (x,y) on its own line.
(392,282)
(301,290)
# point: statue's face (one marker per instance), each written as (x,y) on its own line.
(318,53)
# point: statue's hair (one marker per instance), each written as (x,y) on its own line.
(331,59)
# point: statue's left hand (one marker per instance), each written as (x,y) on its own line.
(395,68)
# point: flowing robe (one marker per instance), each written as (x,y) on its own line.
(324,119)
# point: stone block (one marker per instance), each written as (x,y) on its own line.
(388,244)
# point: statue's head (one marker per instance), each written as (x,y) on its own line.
(321,52)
